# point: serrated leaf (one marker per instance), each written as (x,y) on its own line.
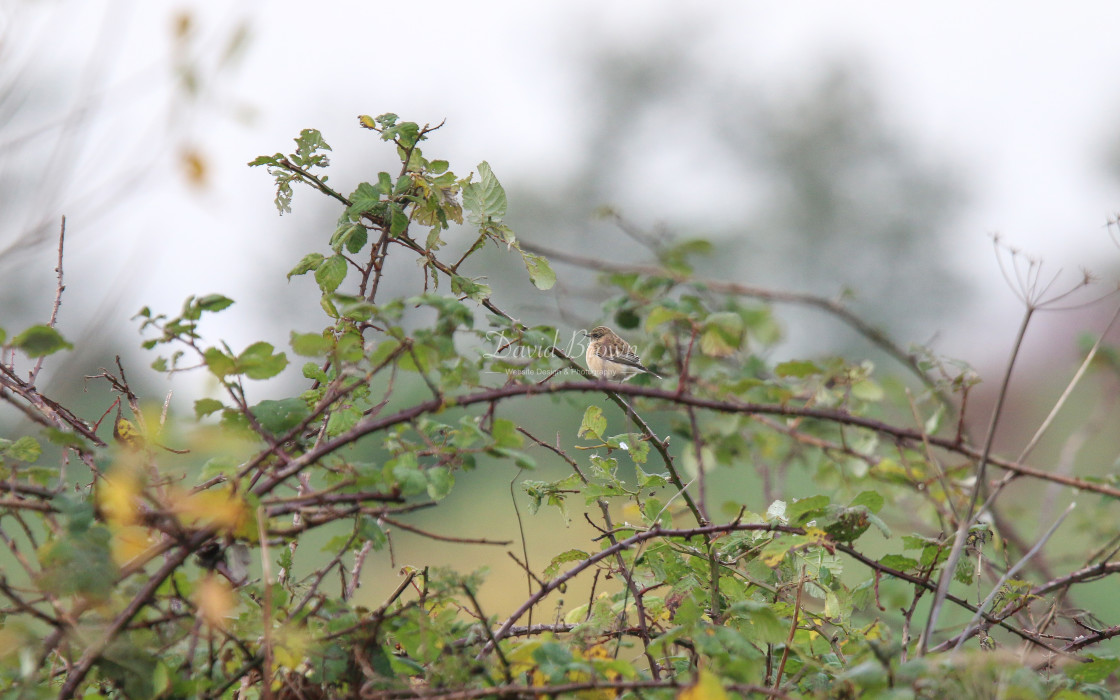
(398,220)
(278,417)
(776,510)
(440,482)
(266,160)
(213,302)
(310,344)
(204,407)
(505,434)
(540,271)
(1097,670)
(25,449)
(219,363)
(899,562)
(872,499)
(40,340)
(646,480)
(485,199)
(364,198)
(795,510)
(309,262)
(258,361)
(722,334)
(659,315)
(593,423)
(462,286)
(308,143)
(331,273)
(562,558)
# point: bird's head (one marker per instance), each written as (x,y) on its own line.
(598,332)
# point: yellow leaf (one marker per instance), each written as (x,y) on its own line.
(193,164)
(215,600)
(707,687)
(815,535)
(290,646)
(130,542)
(118,497)
(220,508)
(125,433)
(11,642)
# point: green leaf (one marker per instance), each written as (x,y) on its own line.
(593,423)
(308,143)
(39,341)
(440,482)
(259,362)
(722,334)
(25,449)
(309,262)
(204,407)
(266,160)
(659,315)
(80,563)
(867,390)
(872,499)
(398,221)
(220,363)
(331,273)
(651,480)
(795,510)
(485,199)
(462,286)
(505,434)
(67,439)
(365,198)
(1096,671)
(213,302)
(797,368)
(370,530)
(540,271)
(765,626)
(559,560)
(342,420)
(411,480)
(897,561)
(353,237)
(310,344)
(278,417)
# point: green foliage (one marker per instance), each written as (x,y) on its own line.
(39,341)
(178,566)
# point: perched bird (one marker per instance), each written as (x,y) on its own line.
(611,357)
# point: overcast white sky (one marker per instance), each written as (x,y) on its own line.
(1023,100)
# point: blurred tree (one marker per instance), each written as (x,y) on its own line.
(818,174)
(81,133)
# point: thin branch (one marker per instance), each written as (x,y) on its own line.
(792,630)
(948,571)
(1007,576)
(59,287)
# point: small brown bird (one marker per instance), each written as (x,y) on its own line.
(611,357)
